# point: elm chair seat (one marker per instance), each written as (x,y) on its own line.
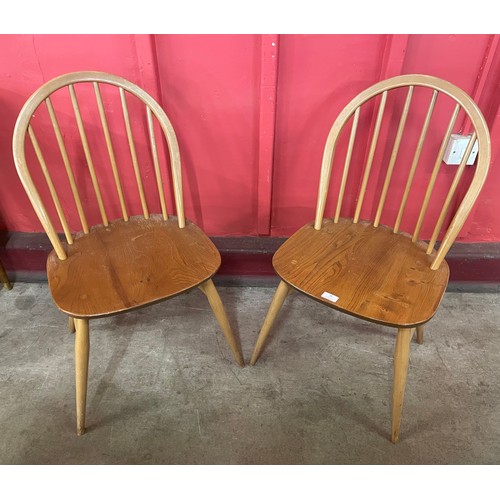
(130,264)
(368,272)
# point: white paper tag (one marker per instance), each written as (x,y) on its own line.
(329,296)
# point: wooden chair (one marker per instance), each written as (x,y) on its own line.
(4,278)
(117,261)
(355,264)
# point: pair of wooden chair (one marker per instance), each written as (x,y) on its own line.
(351,262)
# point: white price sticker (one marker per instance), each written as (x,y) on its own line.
(329,296)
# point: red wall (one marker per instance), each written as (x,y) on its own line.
(223,93)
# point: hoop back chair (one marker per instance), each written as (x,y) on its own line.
(114,261)
(379,272)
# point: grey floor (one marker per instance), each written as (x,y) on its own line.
(163,388)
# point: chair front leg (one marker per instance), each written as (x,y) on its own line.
(208,288)
(279,297)
(82,345)
(401,358)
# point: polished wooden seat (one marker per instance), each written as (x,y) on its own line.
(94,141)
(377,275)
(130,264)
(371,261)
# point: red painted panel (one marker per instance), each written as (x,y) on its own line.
(320,74)
(210,90)
(27,61)
(484,223)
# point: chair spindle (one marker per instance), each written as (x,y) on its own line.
(416,159)
(50,185)
(67,165)
(371,154)
(451,192)
(435,171)
(133,154)
(347,164)
(394,155)
(88,156)
(154,151)
(111,151)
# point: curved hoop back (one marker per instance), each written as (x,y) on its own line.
(98,80)
(352,112)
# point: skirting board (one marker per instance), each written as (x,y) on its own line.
(247,261)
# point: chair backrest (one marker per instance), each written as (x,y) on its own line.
(425,135)
(96,113)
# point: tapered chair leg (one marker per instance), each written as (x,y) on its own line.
(208,288)
(71,324)
(82,345)
(4,278)
(420,334)
(279,297)
(401,358)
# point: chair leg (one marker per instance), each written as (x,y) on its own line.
(81,371)
(71,324)
(401,358)
(279,297)
(4,278)
(208,288)
(420,334)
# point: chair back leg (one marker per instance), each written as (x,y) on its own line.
(420,334)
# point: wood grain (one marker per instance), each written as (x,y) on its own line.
(130,264)
(377,275)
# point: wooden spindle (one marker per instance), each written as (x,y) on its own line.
(371,154)
(111,151)
(50,185)
(416,159)
(133,154)
(435,171)
(88,157)
(394,155)
(159,181)
(67,165)
(347,163)
(451,192)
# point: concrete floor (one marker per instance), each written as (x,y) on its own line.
(163,388)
